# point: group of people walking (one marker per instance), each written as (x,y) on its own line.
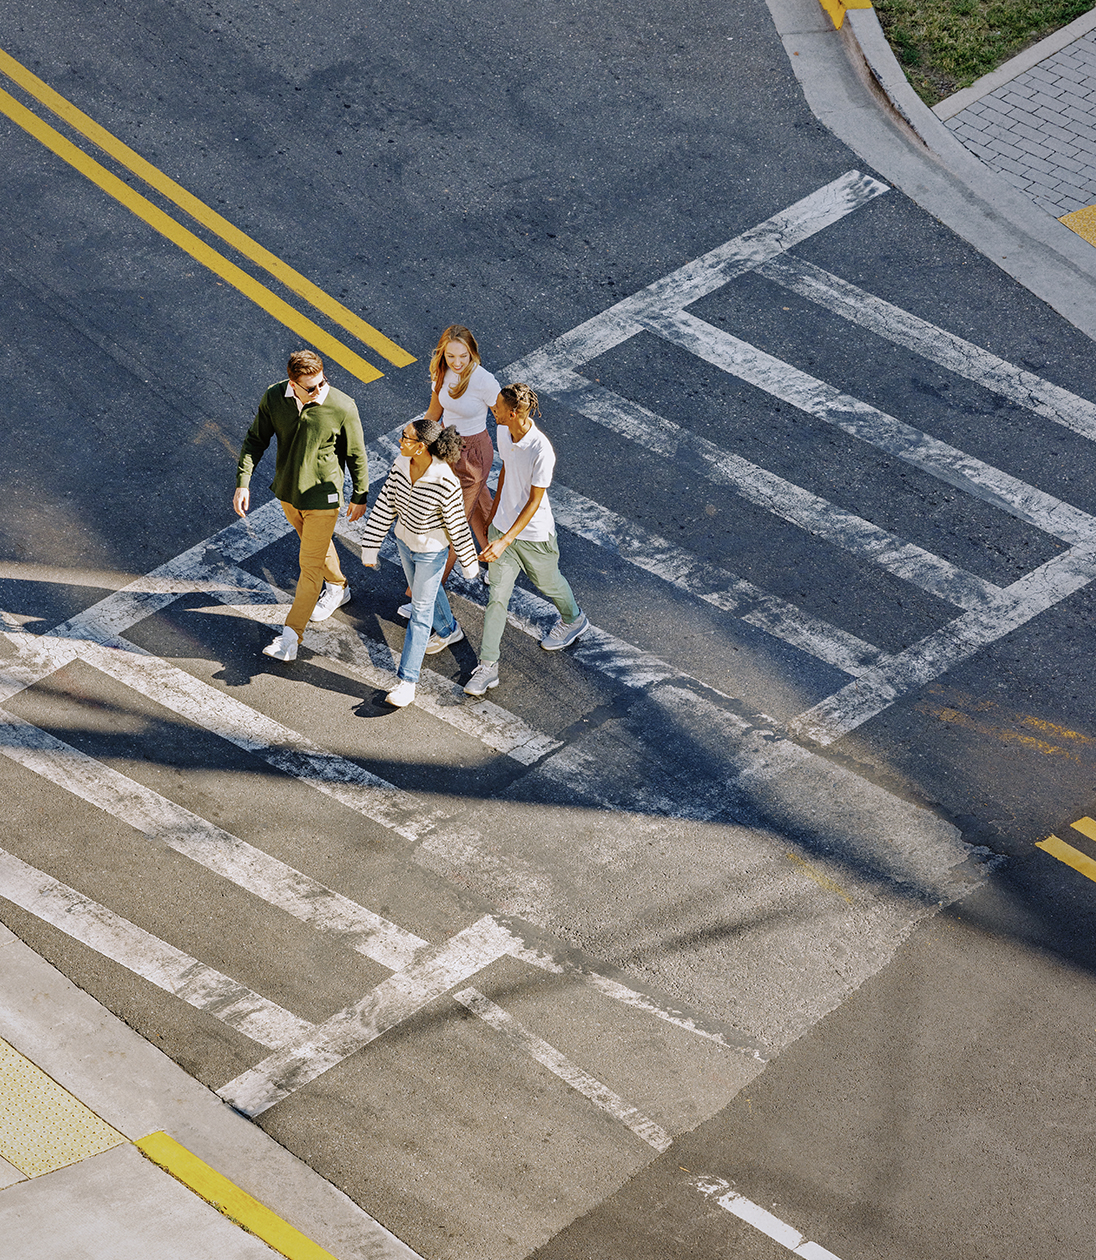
(436,496)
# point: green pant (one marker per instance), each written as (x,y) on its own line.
(540,561)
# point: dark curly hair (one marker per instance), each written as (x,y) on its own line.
(446,445)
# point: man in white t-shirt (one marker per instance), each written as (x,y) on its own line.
(521,534)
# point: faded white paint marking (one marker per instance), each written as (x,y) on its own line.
(783,231)
(398,998)
(270,741)
(147,956)
(861,420)
(1052,402)
(122,609)
(788,1237)
(897,675)
(226,855)
(521,1039)
(810,512)
(716,586)
(371,660)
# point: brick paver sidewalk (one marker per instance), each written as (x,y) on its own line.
(1034,120)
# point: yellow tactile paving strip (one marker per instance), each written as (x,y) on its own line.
(42,1127)
(1083,222)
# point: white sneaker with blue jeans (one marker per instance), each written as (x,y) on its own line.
(429,606)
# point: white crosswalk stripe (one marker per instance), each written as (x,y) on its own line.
(861,420)
(154,960)
(937,345)
(757,753)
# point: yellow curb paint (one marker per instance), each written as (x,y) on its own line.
(838,8)
(1083,222)
(186,240)
(1069,855)
(204,214)
(228,1198)
(42,1126)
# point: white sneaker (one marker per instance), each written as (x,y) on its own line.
(439,642)
(331,597)
(401,694)
(284,647)
(405,610)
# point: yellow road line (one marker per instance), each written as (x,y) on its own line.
(1086,826)
(186,240)
(228,1198)
(206,216)
(1069,855)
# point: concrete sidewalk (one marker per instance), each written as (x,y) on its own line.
(855,86)
(111,1152)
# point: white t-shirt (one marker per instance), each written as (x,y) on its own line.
(468,413)
(528,463)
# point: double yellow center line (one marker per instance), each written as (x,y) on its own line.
(329,346)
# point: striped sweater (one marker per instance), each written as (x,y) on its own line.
(429,515)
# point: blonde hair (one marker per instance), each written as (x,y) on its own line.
(520,398)
(455,332)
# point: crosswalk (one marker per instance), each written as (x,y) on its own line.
(877,864)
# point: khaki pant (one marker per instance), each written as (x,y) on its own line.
(540,562)
(318,559)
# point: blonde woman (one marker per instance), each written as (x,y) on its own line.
(462,391)
(421,496)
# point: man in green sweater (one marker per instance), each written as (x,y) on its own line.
(319,433)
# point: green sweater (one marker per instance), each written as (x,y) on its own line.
(313,449)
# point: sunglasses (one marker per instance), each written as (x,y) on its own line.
(312,389)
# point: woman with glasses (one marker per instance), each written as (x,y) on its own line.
(422,496)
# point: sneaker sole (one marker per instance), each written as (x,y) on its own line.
(484,691)
(558,647)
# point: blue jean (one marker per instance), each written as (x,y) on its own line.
(429,606)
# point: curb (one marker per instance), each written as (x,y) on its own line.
(44,1127)
(853,85)
(239,1206)
(865,35)
(1009,70)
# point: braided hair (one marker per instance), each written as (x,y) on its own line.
(520,398)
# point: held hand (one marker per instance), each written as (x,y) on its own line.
(355,511)
(241,501)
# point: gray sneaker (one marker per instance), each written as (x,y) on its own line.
(564,633)
(484,677)
(439,642)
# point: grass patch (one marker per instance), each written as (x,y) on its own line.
(944,45)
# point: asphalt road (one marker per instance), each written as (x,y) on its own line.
(753,869)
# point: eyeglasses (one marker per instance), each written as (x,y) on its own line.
(405,438)
(311,389)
